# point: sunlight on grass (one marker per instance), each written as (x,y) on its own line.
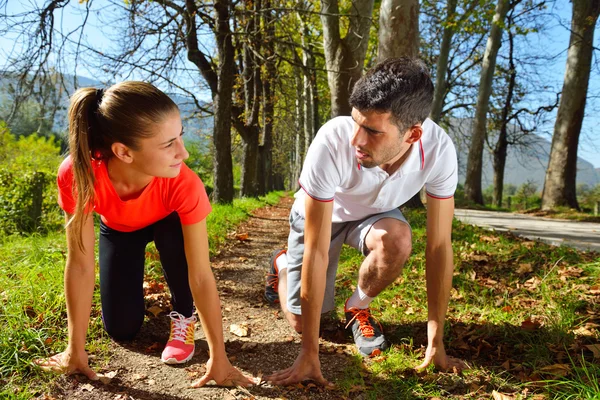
(517,308)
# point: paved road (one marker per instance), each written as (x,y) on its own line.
(581,235)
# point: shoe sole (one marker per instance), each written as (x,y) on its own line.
(172,360)
(274,257)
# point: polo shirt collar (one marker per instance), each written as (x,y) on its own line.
(416,159)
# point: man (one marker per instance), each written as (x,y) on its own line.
(357,172)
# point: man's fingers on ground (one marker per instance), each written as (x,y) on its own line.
(87,371)
(202,381)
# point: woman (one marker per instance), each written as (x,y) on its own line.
(125,162)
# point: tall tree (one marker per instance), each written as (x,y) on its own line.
(345,56)
(398,28)
(442,62)
(473,190)
(560,182)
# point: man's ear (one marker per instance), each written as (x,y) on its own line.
(122,152)
(414,133)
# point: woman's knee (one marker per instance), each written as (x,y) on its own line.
(123,329)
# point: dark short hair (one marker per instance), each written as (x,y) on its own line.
(401,86)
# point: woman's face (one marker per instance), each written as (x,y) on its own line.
(162,154)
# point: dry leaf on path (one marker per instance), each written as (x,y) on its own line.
(242,236)
(557,369)
(524,269)
(240,330)
(594,348)
(107,377)
(155,310)
(501,396)
(87,387)
(529,325)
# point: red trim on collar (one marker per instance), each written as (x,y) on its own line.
(422,154)
(359,166)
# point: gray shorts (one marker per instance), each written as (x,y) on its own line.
(352,233)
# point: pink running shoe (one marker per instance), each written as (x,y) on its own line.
(180,347)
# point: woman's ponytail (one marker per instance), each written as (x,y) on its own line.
(83,127)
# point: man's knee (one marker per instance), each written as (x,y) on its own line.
(393,246)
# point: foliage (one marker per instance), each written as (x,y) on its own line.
(28,168)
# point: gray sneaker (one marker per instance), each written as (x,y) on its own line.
(272,279)
(367,333)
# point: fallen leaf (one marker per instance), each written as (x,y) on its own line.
(155,310)
(529,325)
(489,239)
(139,377)
(594,348)
(240,330)
(87,387)
(506,308)
(242,236)
(506,365)
(524,269)
(249,346)
(151,382)
(595,289)
(557,369)
(152,347)
(501,396)
(409,311)
(583,331)
(107,377)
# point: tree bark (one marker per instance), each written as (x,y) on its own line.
(267,180)
(501,148)
(439,95)
(345,57)
(473,190)
(221,84)
(398,29)
(561,174)
(299,148)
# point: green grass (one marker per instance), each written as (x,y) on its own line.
(32,302)
(500,282)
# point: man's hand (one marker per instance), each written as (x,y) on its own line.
(441,360)
(67,363)
(224,374)
(306,367)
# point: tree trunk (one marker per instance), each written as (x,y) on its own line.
(439,95)
(473,191)
(345,57)
(501,148)
(560,182)
(399,36)
(299,139)
(398,29)
(250,131)
(267,181)
(223,168)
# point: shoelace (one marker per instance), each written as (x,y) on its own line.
(181,325)
(274,282)
(362,316)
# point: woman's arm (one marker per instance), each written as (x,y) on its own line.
(206,299)
(79,288)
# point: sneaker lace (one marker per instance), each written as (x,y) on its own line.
(180,326)
(362,316)
(273,280)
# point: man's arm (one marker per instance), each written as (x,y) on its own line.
(439,269)
(317,238)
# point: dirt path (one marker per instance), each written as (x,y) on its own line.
(270,345)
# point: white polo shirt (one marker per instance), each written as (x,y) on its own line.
(332,173)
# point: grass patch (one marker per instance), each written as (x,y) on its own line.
(517,310)
(32,302)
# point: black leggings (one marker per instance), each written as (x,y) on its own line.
(122,257)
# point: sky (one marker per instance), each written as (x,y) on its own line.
(555,42)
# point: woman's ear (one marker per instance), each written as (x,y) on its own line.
(122,152)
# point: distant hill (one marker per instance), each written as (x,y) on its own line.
(524,163)
(197,129)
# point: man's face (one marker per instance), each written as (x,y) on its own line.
(376,139)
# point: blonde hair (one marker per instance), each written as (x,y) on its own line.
(124,113)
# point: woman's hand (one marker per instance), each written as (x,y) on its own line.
(224,374)
(67,362)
